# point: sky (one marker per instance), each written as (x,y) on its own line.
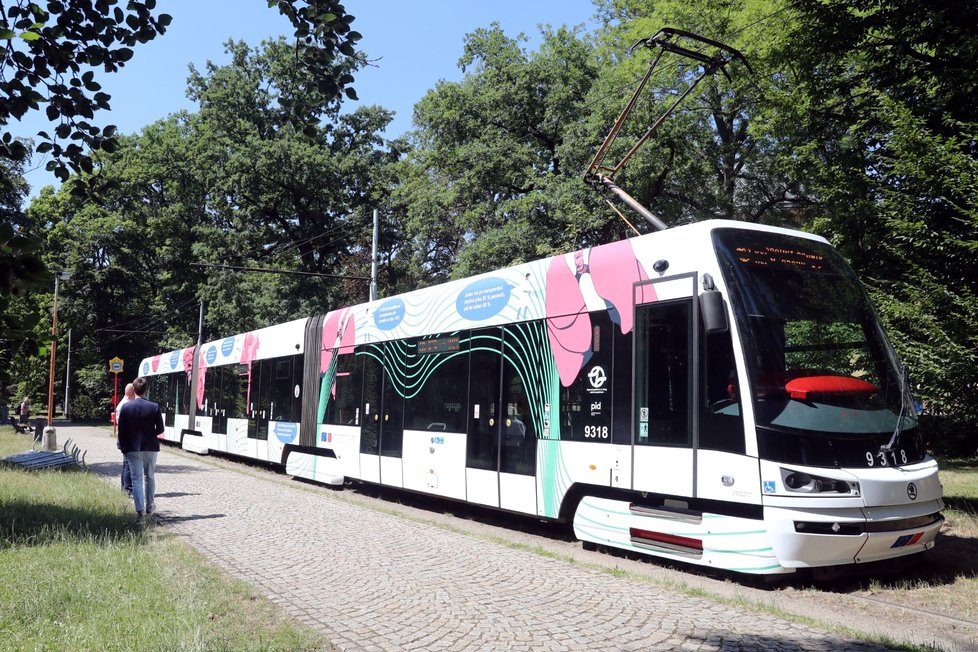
(413,44)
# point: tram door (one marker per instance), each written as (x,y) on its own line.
(664,460)
(502,436)
(382,432)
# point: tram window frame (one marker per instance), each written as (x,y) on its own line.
(370,397)
(518,436)
(181,387)
(622,386)
(483,405)
(392,402)
(440,403)
(225,397)
(721,420)
(238,400)
(345,409)
(280,388)
(667,422)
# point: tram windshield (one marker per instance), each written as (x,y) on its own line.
(817,359)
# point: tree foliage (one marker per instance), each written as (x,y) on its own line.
(51,54)
(139,225)
(883,120)
(496,175)
(248,181)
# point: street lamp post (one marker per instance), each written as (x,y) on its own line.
(50,438)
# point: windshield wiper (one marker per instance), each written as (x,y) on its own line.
(904,393)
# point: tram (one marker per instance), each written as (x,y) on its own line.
(720,393)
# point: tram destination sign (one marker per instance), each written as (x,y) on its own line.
(780,257)
(439,345)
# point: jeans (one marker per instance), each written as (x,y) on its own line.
(126,476)
(143,467)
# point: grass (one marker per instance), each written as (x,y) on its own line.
(75,574)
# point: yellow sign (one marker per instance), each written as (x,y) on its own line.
(115,365)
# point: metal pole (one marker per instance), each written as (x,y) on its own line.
(373,261)
(67,373)
(54,333)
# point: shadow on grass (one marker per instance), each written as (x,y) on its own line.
(964,504)
(25,523)
(959,464)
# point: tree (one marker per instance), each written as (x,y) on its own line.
(20,271)
(289,189)
(711,158)
(51,54)
(494,179)
(884,126)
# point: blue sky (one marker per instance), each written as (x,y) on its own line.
(415,43)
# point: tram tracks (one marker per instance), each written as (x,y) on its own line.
(915,610)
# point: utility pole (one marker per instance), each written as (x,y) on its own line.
(67,373)
(373,261)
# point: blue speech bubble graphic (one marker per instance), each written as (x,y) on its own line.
(389,314)
(483,299)
(286,432)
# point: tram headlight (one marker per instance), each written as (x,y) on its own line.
(806,483)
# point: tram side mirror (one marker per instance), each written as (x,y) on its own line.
(712,311)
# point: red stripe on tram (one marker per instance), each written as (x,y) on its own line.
(673,539)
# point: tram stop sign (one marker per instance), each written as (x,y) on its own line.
(115,365)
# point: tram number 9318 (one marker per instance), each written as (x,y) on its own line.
(596,432)
(872,459)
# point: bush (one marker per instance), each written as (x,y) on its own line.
(945,436)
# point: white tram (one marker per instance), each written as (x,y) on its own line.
(719,393)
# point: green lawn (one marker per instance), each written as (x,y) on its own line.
(75,574)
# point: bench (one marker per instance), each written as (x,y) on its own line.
(22,428)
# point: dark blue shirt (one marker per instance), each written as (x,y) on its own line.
(140,421)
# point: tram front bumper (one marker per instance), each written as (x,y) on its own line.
(803,538)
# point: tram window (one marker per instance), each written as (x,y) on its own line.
(295,387)
(211,378)
(662,374)
(439,402)
(161,392)
(280,391)
(261,389)
(721,421)
(392,419)
(222,384)
(181,388)
(621,430)
(343,397)
(519,436)
(235,391)
(482,450)
(586,405)
(370,408)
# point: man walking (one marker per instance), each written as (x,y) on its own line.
(126,479)
(140,422)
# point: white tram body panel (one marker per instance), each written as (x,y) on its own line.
(718,393)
